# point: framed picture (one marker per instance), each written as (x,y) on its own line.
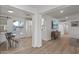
(55,24)
(52,25)
(75,23)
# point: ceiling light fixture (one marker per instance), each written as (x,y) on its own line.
(61,11)
(66,17)
(10,11)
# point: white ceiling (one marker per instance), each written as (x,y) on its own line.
(68,11)
(19,12)
(43,8)
(39,7)
(16,12)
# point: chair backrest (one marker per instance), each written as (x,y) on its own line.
(8,35)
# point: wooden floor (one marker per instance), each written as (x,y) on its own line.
(59,46)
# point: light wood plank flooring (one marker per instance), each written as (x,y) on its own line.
(59,46)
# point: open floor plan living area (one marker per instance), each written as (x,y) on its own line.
(39,29)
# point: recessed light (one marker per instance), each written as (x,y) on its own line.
(10,11)
(61,11)
(66,17)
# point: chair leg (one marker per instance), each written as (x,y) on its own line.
(7,45)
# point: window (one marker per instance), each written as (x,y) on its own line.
(18,23)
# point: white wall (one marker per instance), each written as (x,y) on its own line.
(46,35)
(29,28)
(72,31)
(63,28)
